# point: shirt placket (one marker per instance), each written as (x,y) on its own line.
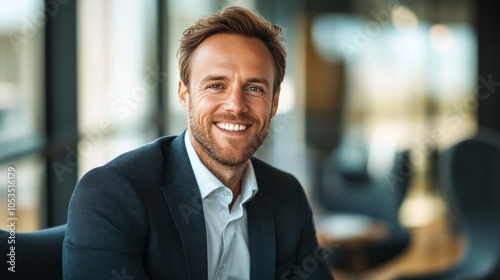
(227,233)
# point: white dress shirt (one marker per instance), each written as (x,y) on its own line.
(227,229)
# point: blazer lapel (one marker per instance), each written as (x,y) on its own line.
(184,200)
(261,231)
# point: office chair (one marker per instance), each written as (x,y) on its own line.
(470,175)
(377,199)
(398,182)
(38,255)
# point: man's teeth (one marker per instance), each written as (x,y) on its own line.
(231,126)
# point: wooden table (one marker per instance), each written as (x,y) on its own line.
(352,231)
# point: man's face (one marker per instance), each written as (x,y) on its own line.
(229,98)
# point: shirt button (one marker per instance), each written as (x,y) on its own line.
(227,193)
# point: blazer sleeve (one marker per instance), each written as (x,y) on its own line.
(106,229)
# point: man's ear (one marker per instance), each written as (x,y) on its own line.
(276,99)
(183,95)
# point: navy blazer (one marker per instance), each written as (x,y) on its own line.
(140,216)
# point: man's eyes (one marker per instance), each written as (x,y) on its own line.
(215,86)
(254,88)
(250,88)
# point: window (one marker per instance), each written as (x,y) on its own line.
(21,98)
(118,79)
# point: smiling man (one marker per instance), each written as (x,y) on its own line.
(231,100)
(199,205)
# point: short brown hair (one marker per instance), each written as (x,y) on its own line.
(234,20)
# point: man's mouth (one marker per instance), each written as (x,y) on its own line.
(231,126)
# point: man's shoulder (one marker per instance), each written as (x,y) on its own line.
(283,188)
(147,154)
(273,177)
(146,161)
(265,167)
(261,166)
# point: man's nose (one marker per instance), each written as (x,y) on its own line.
(235,101)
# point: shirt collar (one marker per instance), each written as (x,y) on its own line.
(207,182)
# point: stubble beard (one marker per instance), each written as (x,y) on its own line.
(203,135)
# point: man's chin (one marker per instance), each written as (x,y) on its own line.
(231,162)
(232,157)
(230,151)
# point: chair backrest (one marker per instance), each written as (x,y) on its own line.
(470,173)
(399,178)
(38,255)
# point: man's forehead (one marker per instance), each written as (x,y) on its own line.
(222,43)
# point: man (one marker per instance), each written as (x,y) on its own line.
(198,206)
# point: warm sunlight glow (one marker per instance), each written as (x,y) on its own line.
(404,18)
(441,37)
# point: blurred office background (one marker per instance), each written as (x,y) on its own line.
(374,92)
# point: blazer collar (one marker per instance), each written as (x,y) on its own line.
(261,230)
(184,201)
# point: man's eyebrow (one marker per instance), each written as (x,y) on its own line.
(259,81)
(211,78)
